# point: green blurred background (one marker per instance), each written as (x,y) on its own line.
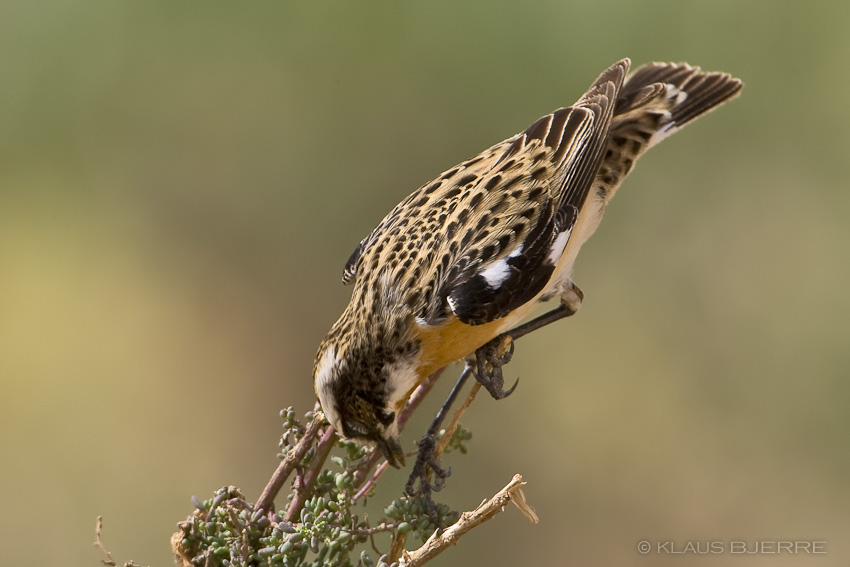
(181,183)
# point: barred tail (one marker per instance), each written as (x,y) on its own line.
(657,100)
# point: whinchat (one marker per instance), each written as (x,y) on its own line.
(467,256)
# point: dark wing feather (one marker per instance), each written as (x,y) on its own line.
(350,270)
(481,295)
(480,292)
(600,100)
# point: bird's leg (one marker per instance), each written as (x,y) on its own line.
(427,458)
(490,358)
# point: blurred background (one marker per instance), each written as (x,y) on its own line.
(181,184)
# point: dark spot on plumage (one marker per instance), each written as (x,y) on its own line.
(452,193)
(468,178)
(627,164)
(463,216)
(539,156)
(517,193)
(476,200)
(540,173)
(527,213)
(412,299)
(432,187)
(504,240)
(619,141)
(441,219)
(635,147)
(608,153)
(643,135)
(489,251)
(655,118)
(607,179)
(449,173)
(421,202)
(439,204)
(512,181)
(492,182)
(515,146)
(495,222)
(472,161)
(451,229)
(482,222)
(507,165)
(467,238)
(428,292)
(535,192)
(501,204)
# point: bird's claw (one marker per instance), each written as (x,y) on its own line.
(489,360)
(426,463)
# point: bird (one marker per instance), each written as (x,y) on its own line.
(466,257)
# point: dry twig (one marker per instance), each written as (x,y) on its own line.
(436,544)
(98,542)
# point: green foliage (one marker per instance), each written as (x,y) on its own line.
(460,436)
(225,531)
(411,514)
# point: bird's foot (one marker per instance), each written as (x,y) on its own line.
(426,463)
(489,360)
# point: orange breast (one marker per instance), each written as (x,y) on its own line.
(443,344)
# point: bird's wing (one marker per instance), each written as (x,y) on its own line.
(551,166)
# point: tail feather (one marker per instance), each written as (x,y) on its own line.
(657,100)
(678,88)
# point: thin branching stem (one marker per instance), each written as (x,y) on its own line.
(288,464)
(305,488)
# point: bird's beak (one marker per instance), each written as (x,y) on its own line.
(391,449)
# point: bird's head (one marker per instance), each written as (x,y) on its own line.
(359,400)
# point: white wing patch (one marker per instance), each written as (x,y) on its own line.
(452,303)
(558,246)
(499,271)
